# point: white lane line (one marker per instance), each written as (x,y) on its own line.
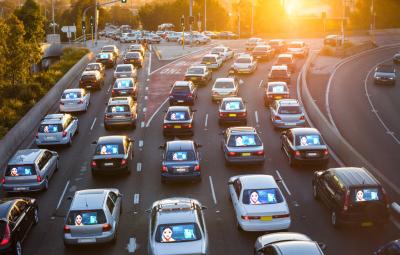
(144,109)
(108,90)
(154,114)
(150,48)
(256,115)
(206,122)
(260,84)
(142,124)
(136,199)
(94,121)
(147,88)
(132,245)
(140,143)
(212,190)
(139,167)
(283,182)
(149,66)
(62,195)
(146,97)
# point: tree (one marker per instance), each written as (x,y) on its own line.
(4,32)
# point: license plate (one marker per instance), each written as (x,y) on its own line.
(246,154)
(181,170)
(180,101)
(266,218)
(86,240)
(366,224)
(312,154)
(108,164)
(50,138)
(232,115)
(278,97)
(194,78)
(21,188)
(123,92)
(177,126)
(288,124)
(208,63)
(88,87)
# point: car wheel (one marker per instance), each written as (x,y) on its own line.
(70,141)
(18,248)
(239,227)
(46,184)
(334,219)
(36,216)
(315,192)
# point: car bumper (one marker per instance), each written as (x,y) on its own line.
(181,101)
(245,160)
(23,188)
(258,225)
(120,122)
(362,221)
(282,124)
(244,71)
(312,161)
(103,238)
(90,85)
(177,131)
(73,108)
(109,170)
(232,119)
(379,81)
(63,141)
(181,177)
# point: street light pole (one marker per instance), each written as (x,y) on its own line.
(95,22)
(52,17)
(205,15)
(252,17)
(239,25)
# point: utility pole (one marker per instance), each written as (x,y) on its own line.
(252,18)
(343,17)
(373,20)
(95,22)
(191,20)
(205,15)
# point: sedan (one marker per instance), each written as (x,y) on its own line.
(125,87)
(74,100)
(199,75)
(258,203)
(224,87)
(232,110)
(245,63)
(385,74)
(178,121)
(125,71)
(135,58)
(183,92)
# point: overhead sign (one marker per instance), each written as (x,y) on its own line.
(70,29)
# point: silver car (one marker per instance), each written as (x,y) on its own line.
(287,113)
(125,71)
(120,111)
(30,170)
(245,63)
(224,87)
(177,227)
(57,129)
(93,217)
(74,100)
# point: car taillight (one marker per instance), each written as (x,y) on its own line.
(67,229)
(80,101)
(187,126)
(64,133)
(197,168)
(190,95)
(231,153)
(93,163)
(167,126)
(326,152)
(106,227)
(277,117)
(38,178)
(3,180)
(37,135)
(221,114)
(6,236)
(346,201)
(123,162)
(281,216)
(113,92)
(259,152)
(297,153)
(302,117)
(250,217)
(164,169)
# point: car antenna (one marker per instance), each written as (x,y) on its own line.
(86,202)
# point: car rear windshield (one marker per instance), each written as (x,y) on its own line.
(20,170)
(289,109)
(176,233)
(244,140)
(277,89)
(108,48)
(104,56)
(71,95)
(243,61)
(209,59)
(109,149)
(50,128)
(366,194)
(181,89)
(278,73)
(118,108)
(88,78)
(123,84)
(86,217)
(283,60)
(92,67)
(295,45)
(177,115)
(224,85)
(133,55)
(180,156)
(123,69)
(309,140)
(261,196)
(195,71)
(232,105)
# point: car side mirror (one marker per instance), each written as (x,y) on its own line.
(203,207)
(198,145)
(322,246)
(230,182)
(94,142)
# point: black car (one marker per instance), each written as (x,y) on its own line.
(112,154)
(125,87)
(135,58)
(199,75)
(304,146)
(333,40)
(391,248)
(91,80)
(183,92)
(107,59)
(17,216)
(385,74)
(353,196)
(232,110)
(178,121)
(180,161)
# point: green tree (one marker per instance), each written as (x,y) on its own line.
(4,32)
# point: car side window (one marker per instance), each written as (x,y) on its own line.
(14,215)
(238,187)
(329,183)
(199,215)
(43,161)
(290,137)
(110,204)
(153,221)
(113,196)
(22,205)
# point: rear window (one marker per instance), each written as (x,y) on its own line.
(361,195)
(232,105)
(20,170)
(92,67)
(178,233)
(289,109)
(277,89)
(50,128)
(108,48)
(195,71)
(118,108)
(177,115)
(217,50)
(86,217)
(180,156)
(309,140)
(123,69)
(245,140)
(103,56)
(123,84)
(209,59)
(133,55)
(261,196)
(109,149)
(243,60)
(71,95)
(185,89)
(88,78)
(224,85)
(278,73)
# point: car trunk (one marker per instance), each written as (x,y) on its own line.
(86,230)
(180,248)
(113,161)
(312,152)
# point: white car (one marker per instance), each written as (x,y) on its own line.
(298,49)
(194,39)
(129,38)
(224,87)
(125,71)
(245,63)
(74,100)
(173,36)
(212,61)
(258,203)
(225,52)
(253,42)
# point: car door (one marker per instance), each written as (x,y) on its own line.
(327,191)
(17,224)
(27,214)
(86,97)
(225,140)
(49,164)
(237,191)
(273,109)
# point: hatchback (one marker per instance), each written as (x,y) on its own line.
(107,59)
(274,91)
(125,87)
(57,129)
(120,111)
(232,110)
(178,121)
(287,113)
(74,100)
(125,71)
(279,73)
(183,92)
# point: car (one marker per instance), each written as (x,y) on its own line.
(183,92)
(245,63)
(18,216)
(137,48)
(242,145)
(396,58)
(353,196)
(287,113)
(107,59)
(125,71)
(286,59)
(93,217)
(173,37)
(153,38)
(224,87)
(194,39)
(227,35)
(287,243)
(178,121)
(210,34)
(263,52)
(391,248)
(91,80)
(180,161)
(113,154)
(232,110)
(74,100)
(212,61)
(252,42)
(120,111)
(125,87)
(177,226)
(29,170)
(258,203)
(198,74)
(134,58)
(96,67)
(111,49)
(304,146)
(333,40)
(298,49)
(279,73)
(385,74)
(278,45)
(57,129)
(225,52)
(129,38)
(275,90)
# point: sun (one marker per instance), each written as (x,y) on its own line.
(292,6)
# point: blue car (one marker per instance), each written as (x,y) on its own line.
(183,92)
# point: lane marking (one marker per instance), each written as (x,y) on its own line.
(144,109)
(206,122)
(94,121)
(140,143)
(136,199)
(147,88)
(132,245)
(256,115)
(212,190)
(283,182)
(155,113)
(109,88)
(139,167)
(62,195)
(146,97)
(142,124)
(260,84)
(149,66)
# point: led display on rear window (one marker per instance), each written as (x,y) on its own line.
(25,170)
(50,128)
(118,108)
(103,56)
(177,233)
(82,218)
(177,115)
(261,196)
(244,140)
(277,89)
(71,95)
(306,140)
(107,149)
(123,84)
(371,194)
(234,105)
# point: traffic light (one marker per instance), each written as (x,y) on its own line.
(83,25)
(124,1)
(91,21)
(191,20)
(183,20)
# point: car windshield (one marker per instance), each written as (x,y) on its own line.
(180,156)
(20,170)
(71,95)
(279,73)
(244,140)
(50,128)
(123,84)
(295,45)
(123,69)
(385,69)
(289,109)
(132,55)
(86,217)
(109,149)
(309,140)
(118,108)
(92,67)
(277,89)
(176,233)
(195,70)
(261,196)
(232,105)
(243,61)
(224,85)
(209,59)
(177,115)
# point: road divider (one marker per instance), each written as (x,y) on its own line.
(94,122)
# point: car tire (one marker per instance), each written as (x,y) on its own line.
(334,220)
(315,192)
(18,248)
(36,216)
(292,162)
(69,144)
(46,184)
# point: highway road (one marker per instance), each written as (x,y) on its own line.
(143,186)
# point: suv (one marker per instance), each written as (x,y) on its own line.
(57,129)
(91,80)
(182,92)
(93,217)
(279,73)
(125,71)
(353,196)
(287,113)
(177,226)
(120,111)
(30,170)
(198,74)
